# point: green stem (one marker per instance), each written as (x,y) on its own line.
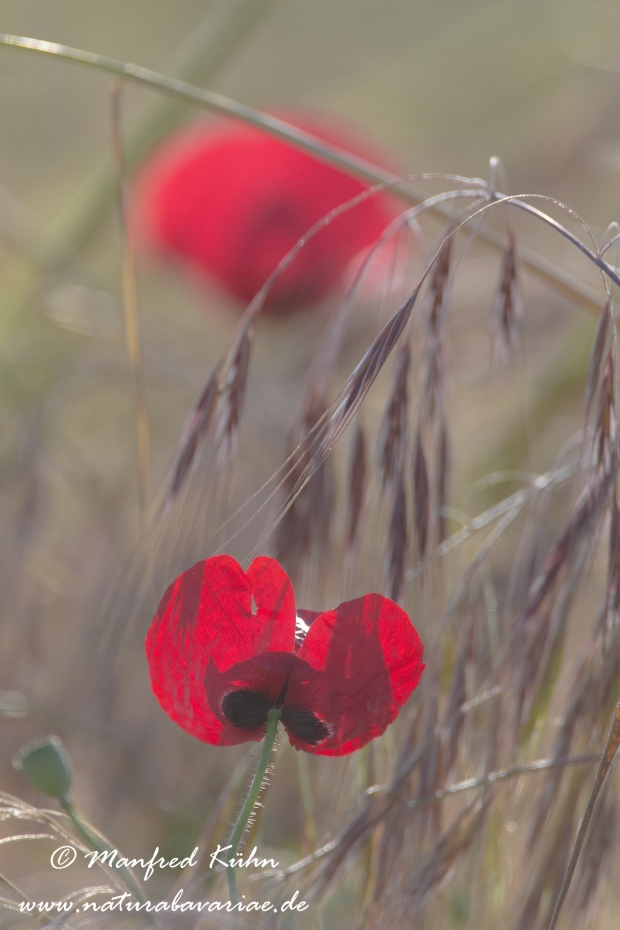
(273,716)
(97,843)
(90,837)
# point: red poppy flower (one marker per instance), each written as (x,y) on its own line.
(218,663)
(231,201)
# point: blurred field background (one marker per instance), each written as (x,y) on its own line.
(444,86)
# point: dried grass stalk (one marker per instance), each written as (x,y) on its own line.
(596,854)
(421,497)
(580,526)
(611,748)
(549,866)
(442,857)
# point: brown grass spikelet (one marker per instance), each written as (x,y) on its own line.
(308,491)
(196,427)
(365,373)
(397,543)
(596,356)
(442,477)
(433,388)
(605,440)
(421,497)
(356,486)
(232,397)
(220,405)
(602,396)
(612,600)
(393,430)
(438,285)
(321,427)
(433,318)
(507,307)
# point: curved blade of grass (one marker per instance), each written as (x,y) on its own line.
(557,279)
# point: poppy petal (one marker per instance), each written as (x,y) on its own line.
(232,201)
(205,619)
(273,593)
(357,666)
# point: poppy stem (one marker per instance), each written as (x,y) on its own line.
(273,716)
(98,843)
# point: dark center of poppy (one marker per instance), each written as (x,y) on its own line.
(304,725)
(247,710)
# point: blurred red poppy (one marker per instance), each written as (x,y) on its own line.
(231,201)
(218,665)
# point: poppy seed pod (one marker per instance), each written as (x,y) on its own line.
(218,666)
(230,201)
(46,765)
